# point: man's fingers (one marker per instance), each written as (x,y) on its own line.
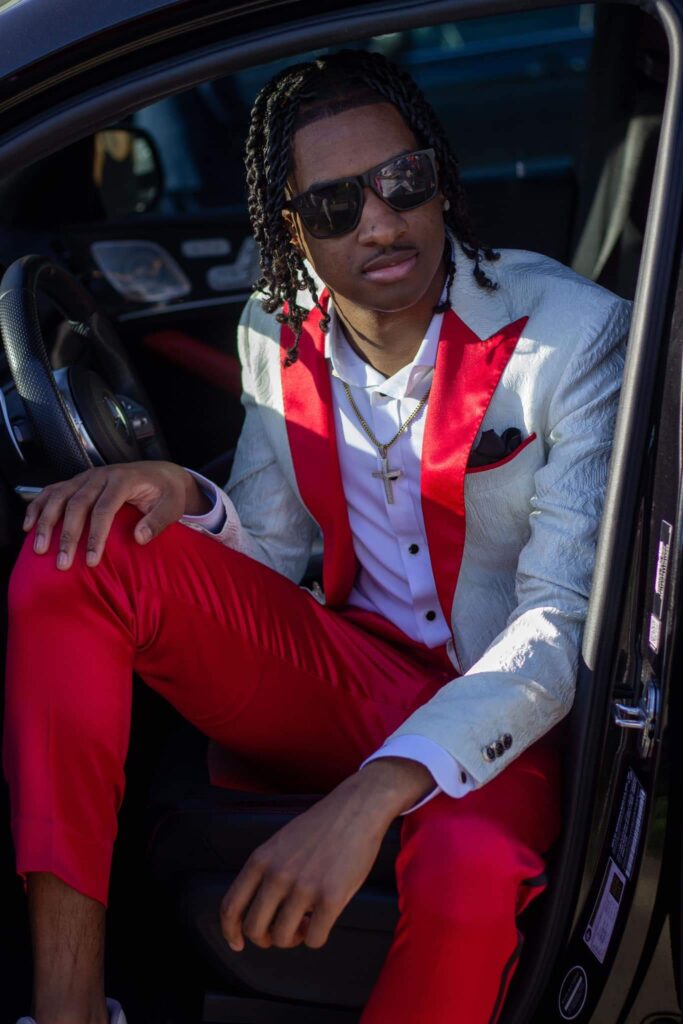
(102,516)
(157,519)
(50,506)
(291,921)
(76,512)
(33,511)
(325,913)
(263,908)
(156,488)
(235,902)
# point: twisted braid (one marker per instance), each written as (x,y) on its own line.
(333,83)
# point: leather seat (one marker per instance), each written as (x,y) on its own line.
(623,121)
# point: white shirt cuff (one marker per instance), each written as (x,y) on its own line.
(449,775)
(214,520)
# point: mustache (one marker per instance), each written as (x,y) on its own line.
(388,256)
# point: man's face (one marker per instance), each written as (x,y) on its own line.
(391,259)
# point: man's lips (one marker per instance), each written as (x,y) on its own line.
(390,267)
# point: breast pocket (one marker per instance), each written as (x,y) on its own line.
(498,499)
(512,457)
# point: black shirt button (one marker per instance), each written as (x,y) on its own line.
(499,748)
(414,548)
(463,777)
(507,740)
(430,616)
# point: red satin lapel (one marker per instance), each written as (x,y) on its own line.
(309,415)
(466,374)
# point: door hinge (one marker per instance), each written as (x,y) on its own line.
(642,716)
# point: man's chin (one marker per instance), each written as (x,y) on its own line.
(388,299)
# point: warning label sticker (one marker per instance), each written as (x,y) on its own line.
(598,934)
(661,571)
(654,633)
(629,827)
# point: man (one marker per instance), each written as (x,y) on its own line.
(445,419)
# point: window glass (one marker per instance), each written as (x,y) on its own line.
(507,88)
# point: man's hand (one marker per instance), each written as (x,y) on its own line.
(293,887)
(162,490)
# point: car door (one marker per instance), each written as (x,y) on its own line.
(633,851)
(623,785)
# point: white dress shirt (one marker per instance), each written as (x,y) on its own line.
(395,577)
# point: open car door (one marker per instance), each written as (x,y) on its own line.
(623,874)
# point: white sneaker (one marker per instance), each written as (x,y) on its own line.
(116,1014)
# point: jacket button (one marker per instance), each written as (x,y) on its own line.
(507,740)
(488,753)
(499,748)
(414,548)
(430,616)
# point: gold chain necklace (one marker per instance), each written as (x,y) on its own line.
(386,474)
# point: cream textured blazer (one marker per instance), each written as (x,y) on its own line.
(516,554)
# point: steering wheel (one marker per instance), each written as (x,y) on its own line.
(80,417)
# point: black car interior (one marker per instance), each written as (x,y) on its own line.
(583,200)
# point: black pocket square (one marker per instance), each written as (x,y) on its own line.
(493,447)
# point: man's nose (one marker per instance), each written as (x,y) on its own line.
(379,224)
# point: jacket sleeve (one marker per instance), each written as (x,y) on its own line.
(524,682)
(264,518)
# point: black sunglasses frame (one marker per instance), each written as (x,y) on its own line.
(361,181)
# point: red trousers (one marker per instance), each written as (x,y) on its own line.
(301,691)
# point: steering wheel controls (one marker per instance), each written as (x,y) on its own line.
(138,417)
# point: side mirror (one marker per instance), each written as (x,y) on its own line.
(126,171)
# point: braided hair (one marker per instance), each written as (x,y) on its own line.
(322,88)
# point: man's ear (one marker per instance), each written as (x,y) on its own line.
(293,229)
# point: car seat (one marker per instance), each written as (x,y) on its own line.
(625,99)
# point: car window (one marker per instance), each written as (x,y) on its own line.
(507,88)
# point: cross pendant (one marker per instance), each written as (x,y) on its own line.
(387,475)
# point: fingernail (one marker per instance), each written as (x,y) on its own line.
(39,544)
(62,560)
(234,947)
(145,534)
(27,522)
(91,557)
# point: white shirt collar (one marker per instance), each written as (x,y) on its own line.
(349,367)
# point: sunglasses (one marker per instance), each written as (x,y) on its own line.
(334,208)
